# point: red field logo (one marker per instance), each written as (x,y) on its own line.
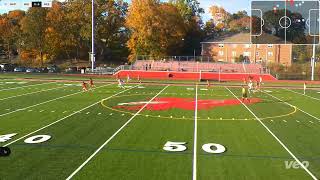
(161,104)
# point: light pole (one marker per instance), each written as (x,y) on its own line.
(92,54)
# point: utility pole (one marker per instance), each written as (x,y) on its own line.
(313,61)
(92,54)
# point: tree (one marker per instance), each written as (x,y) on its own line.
(34,26)
(156,29)
(10,31)
(191,12)
(240,25)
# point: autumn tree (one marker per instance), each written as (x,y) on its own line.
(191,12)
(156,28)
(10,31)
(34,27)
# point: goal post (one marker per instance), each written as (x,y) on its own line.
(210,75)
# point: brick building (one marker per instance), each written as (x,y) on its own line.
(229,49)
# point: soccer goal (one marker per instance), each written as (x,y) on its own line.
(210,75)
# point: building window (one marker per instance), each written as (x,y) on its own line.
(258,46)
(221,45)
(234,46)
(247,46)
(257,53)
(270,53)
(234,53)
(270,45)
(221,53)
(247,54)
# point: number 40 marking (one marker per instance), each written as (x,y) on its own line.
(31,140)
(181,146)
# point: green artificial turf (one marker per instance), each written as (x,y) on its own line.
(128,143)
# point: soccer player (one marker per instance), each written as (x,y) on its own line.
(91,83)
(304,88)
(139,79)
(208,84)
(250,85)
(120,84)
(128,78)
(84,87)
(244,94)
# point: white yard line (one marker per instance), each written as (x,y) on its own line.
(194,165)
(280,142)
(61,97)
(106,142)
(30,93)
(75,112)
(292,106)
(302,94)
(27,86)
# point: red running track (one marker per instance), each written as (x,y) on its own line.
(191,75)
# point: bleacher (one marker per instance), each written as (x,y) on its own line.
(193,66)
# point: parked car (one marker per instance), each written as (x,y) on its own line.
(71,70)
(19,69)
(44,70)
(32,70)
(6,67)
(53,69)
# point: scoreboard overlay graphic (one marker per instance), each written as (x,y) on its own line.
(285,22)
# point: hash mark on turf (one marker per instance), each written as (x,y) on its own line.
(298,121)
(30,110)
(284,120)
(311,122)
(53,111)
(99,113)
(110,114)
(64,112)
(41,110)
(88,113)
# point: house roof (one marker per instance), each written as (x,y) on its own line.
(239,38)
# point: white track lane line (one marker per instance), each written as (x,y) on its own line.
(194,164)
(292,106)
(27,86)
(302,94)
(106,142)
(75,112)
(61,97)
(280,142)
(30,93)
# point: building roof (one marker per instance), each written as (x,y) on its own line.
(242,38)
(245,38)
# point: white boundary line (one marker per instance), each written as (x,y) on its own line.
(280,142)
(292,106)
(31,93)
(48,101)
(67,117)
(106,142)
(27,86)
(194,164)
(302,94)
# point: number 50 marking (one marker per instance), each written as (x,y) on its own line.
(181,146)
(31,140)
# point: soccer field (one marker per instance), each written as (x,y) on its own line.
(157,131)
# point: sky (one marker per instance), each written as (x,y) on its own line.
(230,5)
